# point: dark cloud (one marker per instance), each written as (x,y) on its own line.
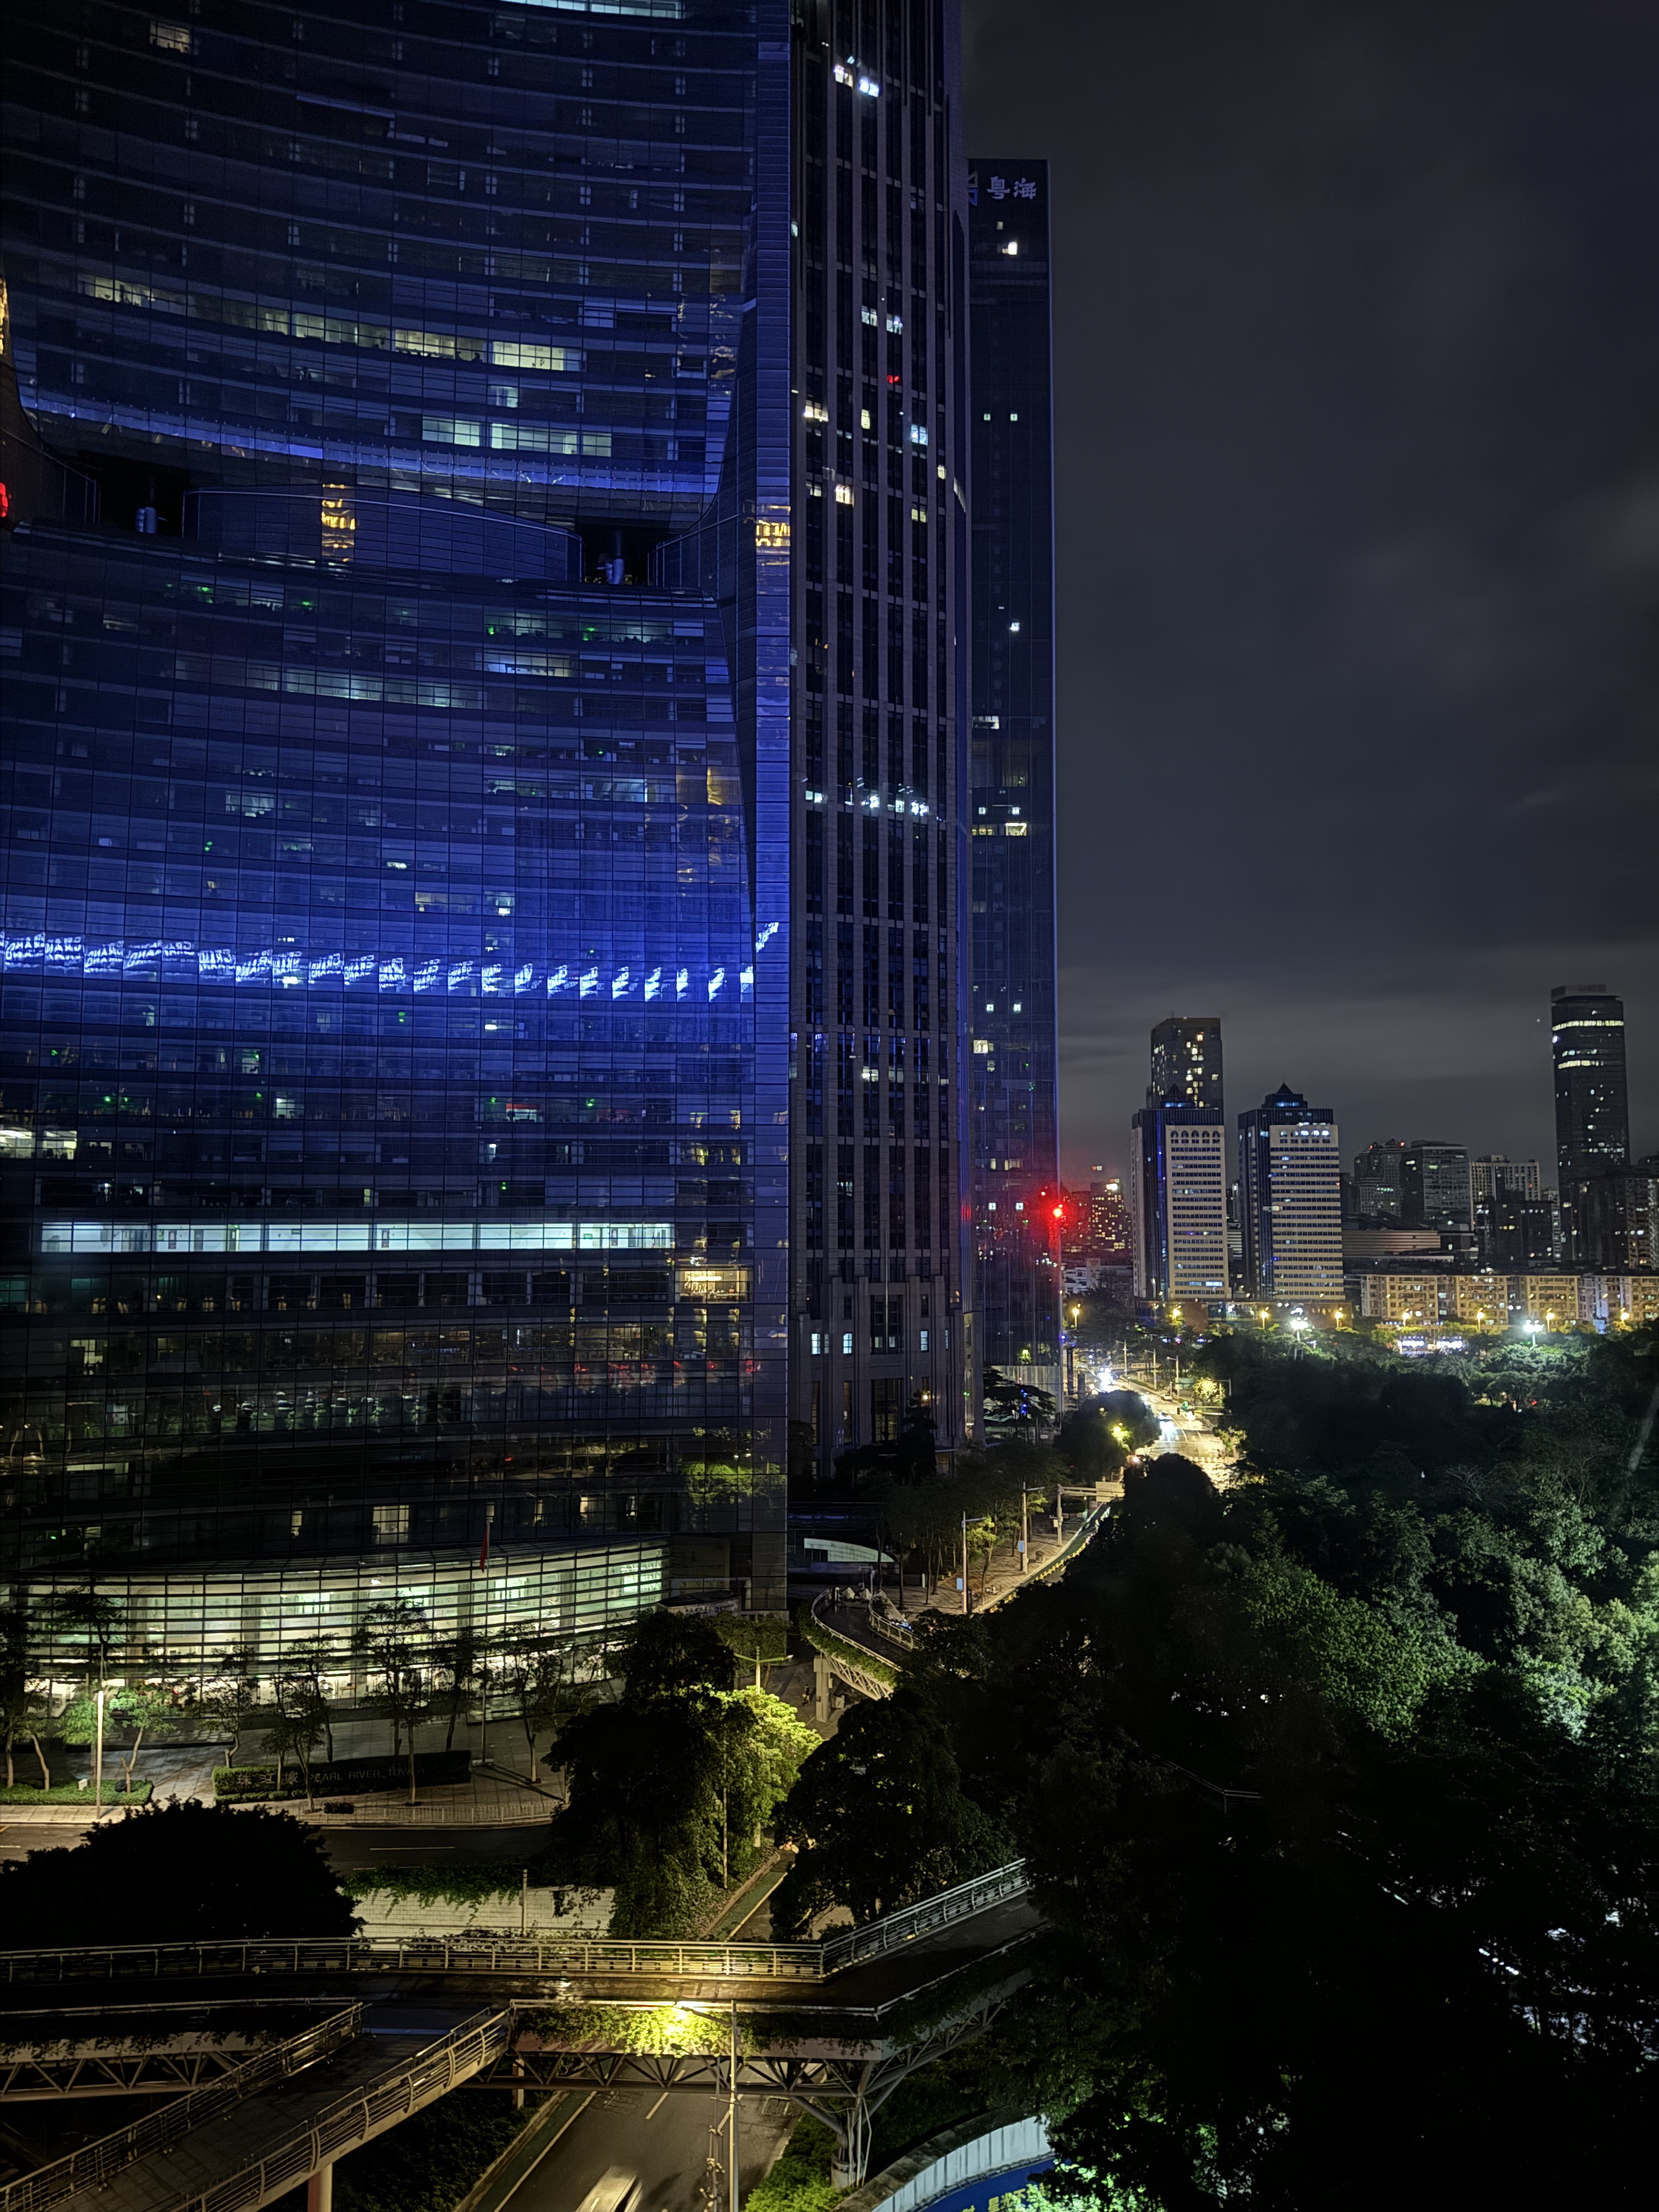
(1358,342)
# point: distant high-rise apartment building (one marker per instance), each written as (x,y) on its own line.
(1434,1185)
(1013,1110)
(1379,1190)
(1178,1166)
(485,926)
(1492,1173)
(1186,1062)
(1108,1215)
(1291,1199)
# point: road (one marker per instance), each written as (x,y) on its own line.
(663,2137)
(1188,1433)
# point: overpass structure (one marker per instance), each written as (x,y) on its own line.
(834,2026)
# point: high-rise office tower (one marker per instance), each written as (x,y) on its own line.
(1592,1111)
(1379,1180)
(1178,1166)
(882,1270)
(482,1004)
(1013,1111)
(1434,1185)
(1186,1062)
(1289,1198)
(1592,1108)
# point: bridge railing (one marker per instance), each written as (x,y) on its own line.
(546,1959)
(931,1913)
(98,2164)
(359,2115)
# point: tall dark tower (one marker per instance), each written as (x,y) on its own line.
(881,1277)
(1592,1106)
(1015,1115)
(485,841)
(1592,1110)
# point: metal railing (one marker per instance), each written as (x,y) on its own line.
(569,1960)
(97,2165)
(904,1926)
(353,2118)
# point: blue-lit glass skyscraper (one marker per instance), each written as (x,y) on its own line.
(409,1070)
(1014,1112)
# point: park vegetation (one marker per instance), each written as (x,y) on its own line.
(175,1874)
(1339,1788)
(674,1785)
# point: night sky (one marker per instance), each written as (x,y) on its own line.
(1356,321)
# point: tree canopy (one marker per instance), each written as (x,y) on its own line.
(672,1786)
(1340,1789)
(177,1873)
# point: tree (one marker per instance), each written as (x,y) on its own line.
(134,1708)
(230,1702)
(1336,1789)
(316,1660)
(178,1873)
(392,1639)
(86,1616)
(458,1669)
(296,1724)
(1017,1402)
(760,1639)
(540,1675)
(24,1712)
(879,1817)
(762,1746)
(673,1785)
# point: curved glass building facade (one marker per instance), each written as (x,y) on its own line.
(412,773)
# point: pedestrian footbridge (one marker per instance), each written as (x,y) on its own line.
(832,2025)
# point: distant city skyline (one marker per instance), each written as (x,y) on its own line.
(1356,501)
(1506,1105)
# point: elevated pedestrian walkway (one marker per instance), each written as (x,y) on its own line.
(272,2123)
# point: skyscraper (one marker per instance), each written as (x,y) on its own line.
(1592,1111)
(1289,1198)
(1186,1062)
(881,1286)
(1013,1112)
(1592,1108)
(1434,1184)
(427,1025)
(1178,1166)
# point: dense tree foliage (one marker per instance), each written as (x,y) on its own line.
(672,1787)
(182,1873)
(1340,1787)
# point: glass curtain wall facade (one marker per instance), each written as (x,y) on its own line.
(882,1285)
(1592,1101)
(1014,1108)
(396,1051)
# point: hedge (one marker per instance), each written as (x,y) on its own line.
(339,1777)
(70,1793)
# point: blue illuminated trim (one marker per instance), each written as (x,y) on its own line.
(288,969)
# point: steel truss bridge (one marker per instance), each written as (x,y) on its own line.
(823,2024)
